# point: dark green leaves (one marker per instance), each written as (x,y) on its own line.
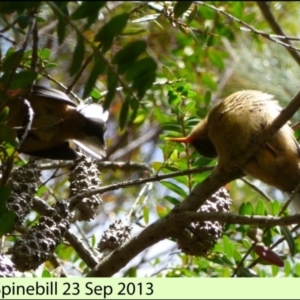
(126,56)
(111,29)
(142,73)
(86,9)
(181,7)
(78,56)
(8,7)
(19,80)
(7,134)
(99,68)
(12,57)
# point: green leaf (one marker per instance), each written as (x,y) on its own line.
(289,238)
(92,18)
(172,200)
(133,31)
(237,256)
(140,68)
(111,29)
(207,80)
(228,246)
(51,65)
(246,209)
(7,222)
(20,80)
(211,41)
(95,94)
(24,21)
(237,9)
(189,107)
(175,188)
(8,7)
(78,56)
(93,241)
(192,14)
(86,9)
(275,205)
(146,214)
(216,59)
(143,83)
(206,12)
(130,53)
(181,7)
(287,268)
(44,53)
(260,208)
(4,114)
(161,211)
(160,117)
(98,69)
(4,196)
(124,114)
(46,274)
(62,25)
(207,97)
(7,134)
(11,59)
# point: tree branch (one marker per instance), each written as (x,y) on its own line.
(265,10)
(75,199)
(250,28)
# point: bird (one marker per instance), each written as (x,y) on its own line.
(48,123)
(233,124)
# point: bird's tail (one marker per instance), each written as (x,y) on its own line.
(95,125)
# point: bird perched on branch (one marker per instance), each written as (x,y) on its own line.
(232,126)
(47,121)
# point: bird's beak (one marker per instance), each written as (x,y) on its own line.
(186,139)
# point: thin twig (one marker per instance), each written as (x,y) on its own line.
(265,9)
(249,27)
(254,187)
(73,200)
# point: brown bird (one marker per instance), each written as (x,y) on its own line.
(47,121)
(233,124)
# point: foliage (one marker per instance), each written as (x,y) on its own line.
(157,67)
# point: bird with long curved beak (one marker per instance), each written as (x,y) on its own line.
(233,124)
(47,121)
